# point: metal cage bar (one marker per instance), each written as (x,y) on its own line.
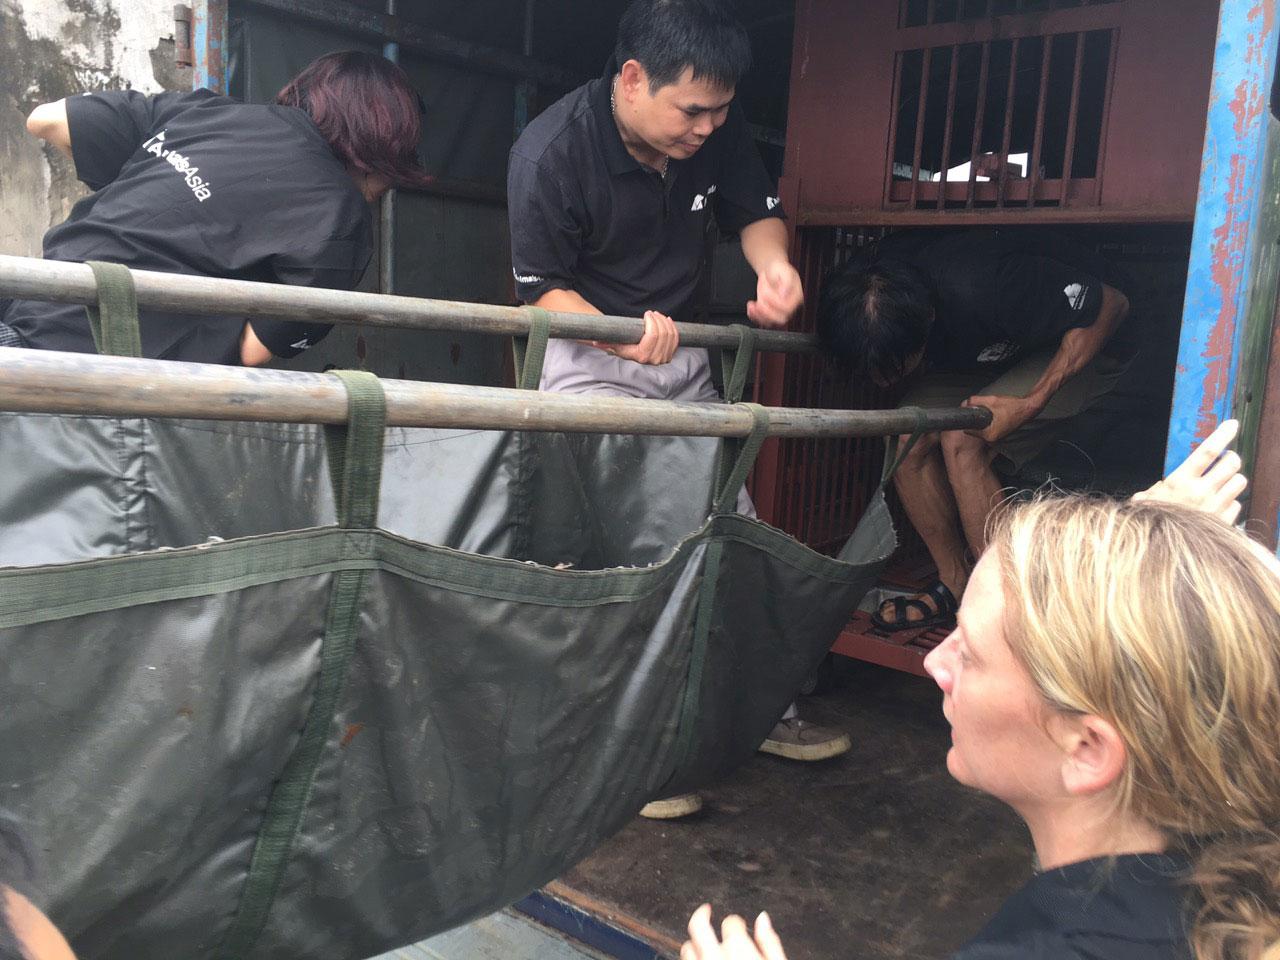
(980,119)
(1037,143)
(899,72)
(926,64)
(1007,135)
(949,128)
(1113,60)
(1073,123)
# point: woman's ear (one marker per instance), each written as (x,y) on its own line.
(1093,753)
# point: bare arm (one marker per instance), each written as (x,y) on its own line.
(49,122)
(565,301)
(1077,348)
(253,353)
(657,346)
(764,243)
(778,289)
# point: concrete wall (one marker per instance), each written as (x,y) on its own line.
(50,49)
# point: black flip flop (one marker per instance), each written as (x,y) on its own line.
(945,600)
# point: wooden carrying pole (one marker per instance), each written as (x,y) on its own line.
(45,381)
(27,278)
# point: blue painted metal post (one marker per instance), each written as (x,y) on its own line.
(209,42)
(1231,282)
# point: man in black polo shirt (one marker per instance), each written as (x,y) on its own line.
(611,189)
(1025,323)
(610,192)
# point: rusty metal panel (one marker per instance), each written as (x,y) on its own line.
(1159,99)
(919,13)
(842,80)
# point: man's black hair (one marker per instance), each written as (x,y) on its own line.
(874,315)
(15,873)
(666,36)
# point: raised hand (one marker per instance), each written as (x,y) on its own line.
(734,942)
(1209,479)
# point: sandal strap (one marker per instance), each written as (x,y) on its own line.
(900,606)
(945,599)
(912,603)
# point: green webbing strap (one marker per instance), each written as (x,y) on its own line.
(355,450)
(692,700)
(732,479)
(529,352)
(892,456)
(114,321)
(736,361)
(355,458)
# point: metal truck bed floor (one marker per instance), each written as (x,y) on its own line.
(874,855)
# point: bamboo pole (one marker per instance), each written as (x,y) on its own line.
(28,278)
(46,381)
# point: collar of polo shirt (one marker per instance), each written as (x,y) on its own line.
(616,155)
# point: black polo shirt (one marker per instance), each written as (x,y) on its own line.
(1000,296)
(586,216)
(1122,908)
(200,184)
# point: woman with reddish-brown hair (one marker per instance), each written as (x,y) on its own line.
(200,184)
(1114,677)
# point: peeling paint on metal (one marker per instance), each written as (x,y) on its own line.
(1227,269)
(106,43)
(51,49)
(208,42)
(1225,235)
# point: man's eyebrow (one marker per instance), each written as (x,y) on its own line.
(703,108)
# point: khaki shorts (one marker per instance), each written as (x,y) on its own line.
(1078,394)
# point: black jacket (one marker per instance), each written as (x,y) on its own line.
(1121,908)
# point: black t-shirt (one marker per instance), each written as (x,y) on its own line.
(1122,908)
(199,184)
(586,216)
(1002,296)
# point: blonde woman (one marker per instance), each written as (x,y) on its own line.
(1115,678)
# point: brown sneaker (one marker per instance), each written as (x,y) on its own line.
(672,808)
(798,739)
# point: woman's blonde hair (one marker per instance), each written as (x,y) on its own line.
(1166,622)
